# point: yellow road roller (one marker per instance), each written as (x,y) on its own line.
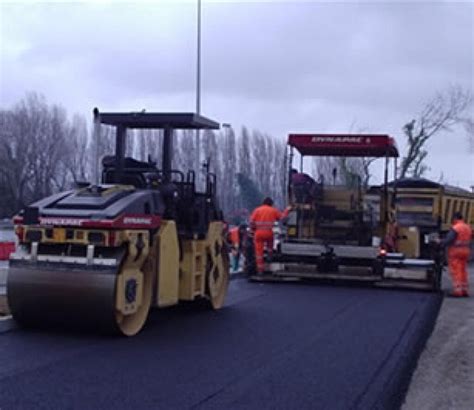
(102,255)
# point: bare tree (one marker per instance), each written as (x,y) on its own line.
(443,112)
(229,171)
(107,141)
(328,169)
(271,171)
(14,153)
(187,148)
(140,144)
(349,172)
(45,129)
(78,160)
(261,160)
(278,171)
(210,153)
(41,152)
(469,127)
(245,160)
(366,175)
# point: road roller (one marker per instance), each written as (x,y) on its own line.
(100,256)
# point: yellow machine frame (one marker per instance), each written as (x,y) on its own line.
(430,210)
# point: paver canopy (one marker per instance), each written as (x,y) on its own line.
(344,145)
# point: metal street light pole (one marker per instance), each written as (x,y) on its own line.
(198,87)
(198,65)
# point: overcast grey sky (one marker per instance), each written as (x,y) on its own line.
(275,66)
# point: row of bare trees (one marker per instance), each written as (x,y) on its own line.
(37,151)
(42,151)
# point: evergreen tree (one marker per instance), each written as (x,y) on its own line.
(250,195)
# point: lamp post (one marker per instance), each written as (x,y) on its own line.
(198,62)
(198,88)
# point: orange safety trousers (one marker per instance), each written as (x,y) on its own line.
(262,238)
(457,261)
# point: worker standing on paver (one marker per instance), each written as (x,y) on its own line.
(458,241)
(303,187)
(262,221)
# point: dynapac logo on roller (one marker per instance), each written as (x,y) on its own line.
(136,220)
(61,221)
(129,222)
(350,140)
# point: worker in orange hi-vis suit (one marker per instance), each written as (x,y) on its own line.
(261,222)
(236,239)
(458,241)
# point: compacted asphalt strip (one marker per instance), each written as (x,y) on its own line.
(273,346)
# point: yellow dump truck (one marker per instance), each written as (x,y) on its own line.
(423,210)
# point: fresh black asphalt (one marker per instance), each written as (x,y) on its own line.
(274,346)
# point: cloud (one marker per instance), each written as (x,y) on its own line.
(276,66)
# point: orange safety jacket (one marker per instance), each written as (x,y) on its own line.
(264,217)
(234,236)
(464,234)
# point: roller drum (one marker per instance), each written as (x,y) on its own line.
(63,295)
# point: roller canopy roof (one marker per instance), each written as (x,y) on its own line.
(344,145)
(156,120)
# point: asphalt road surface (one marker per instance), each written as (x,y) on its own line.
(274,346)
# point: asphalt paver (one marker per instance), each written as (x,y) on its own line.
(273,346)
